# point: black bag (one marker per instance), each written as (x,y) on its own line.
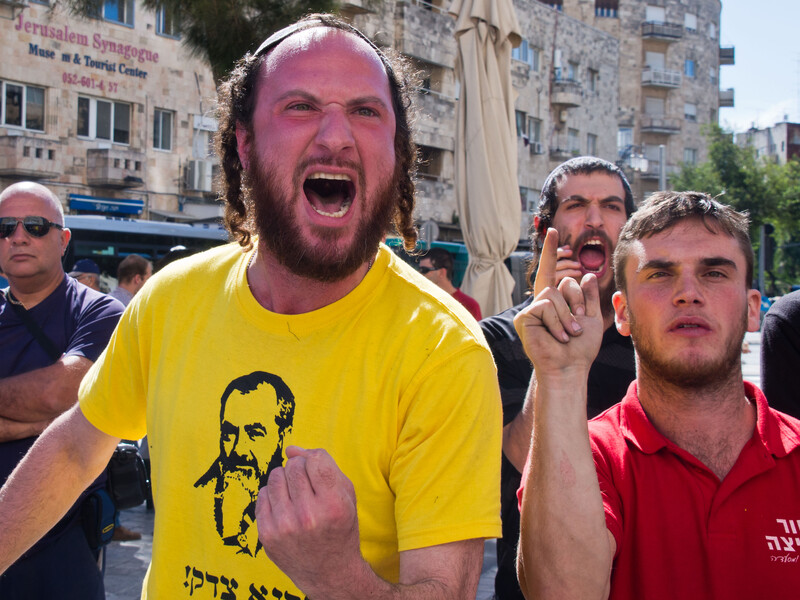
(127,477)
(98,516)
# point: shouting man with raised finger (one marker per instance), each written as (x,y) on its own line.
(586,200)
(317,411)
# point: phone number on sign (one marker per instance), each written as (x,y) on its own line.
(89,82)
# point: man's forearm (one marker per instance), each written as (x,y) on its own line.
(447,572)
(44,393)
(60,465)
(11,430)
(565,551)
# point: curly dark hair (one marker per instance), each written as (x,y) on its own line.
(236,102)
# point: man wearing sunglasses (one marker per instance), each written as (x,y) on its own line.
(396,406)
(51,330)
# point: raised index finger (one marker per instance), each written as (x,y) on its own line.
(548,259)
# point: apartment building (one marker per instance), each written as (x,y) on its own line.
(781,142)
(112,113)
(668,78)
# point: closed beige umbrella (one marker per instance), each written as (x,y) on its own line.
(486,148)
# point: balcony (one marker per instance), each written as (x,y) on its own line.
(29,157)
(566,93)
(660,124)
(115,168)
(436,125)
(652,171)
(667,32)
(727,55)
(417,23)
(660,78)
(726,98)
(561,154)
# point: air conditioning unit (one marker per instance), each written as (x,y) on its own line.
(198,175)
(537,148)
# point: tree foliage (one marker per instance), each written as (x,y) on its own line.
(222,31)
(769,191)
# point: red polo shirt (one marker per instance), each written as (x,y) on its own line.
(683,533)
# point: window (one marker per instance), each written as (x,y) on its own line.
(654,106)
(594,77)
(166,23)
(104,120)
(690,111)
(527,54)
(690,156)
(655,14)
(591,144)
(606,8)
(624,140)
(712,31)
(573,143)
(203,137)
(712,75)
(528,199)
(572,71)
(520,116)
(534,130)
(688,68)
(162,129)
(430,164)
(118,11)
(690,22)
(556,4)
(23,106)
(655,60)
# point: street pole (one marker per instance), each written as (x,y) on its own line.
(662,168)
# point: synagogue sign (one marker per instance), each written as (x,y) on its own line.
(99,55)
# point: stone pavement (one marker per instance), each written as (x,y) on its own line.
(126,562)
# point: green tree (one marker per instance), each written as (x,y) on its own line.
(221,31)
(769,191)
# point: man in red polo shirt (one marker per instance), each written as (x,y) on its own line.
(688,487)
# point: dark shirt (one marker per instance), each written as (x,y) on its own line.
(780,354)
(611,373)
(77,320)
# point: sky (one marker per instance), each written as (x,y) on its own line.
(766,76)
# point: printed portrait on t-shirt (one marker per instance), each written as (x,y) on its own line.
(256,413)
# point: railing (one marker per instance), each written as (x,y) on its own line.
(726,98)
(727,55)
(666,31)
(661,77)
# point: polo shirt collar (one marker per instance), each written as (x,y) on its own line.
(772,432)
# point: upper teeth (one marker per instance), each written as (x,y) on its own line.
(593,243)
(334,176)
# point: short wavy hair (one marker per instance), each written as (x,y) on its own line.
(664,210)
(236,103)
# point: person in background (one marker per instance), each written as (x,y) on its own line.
(87,272)
(780,354)
(437,265)
(51,331)
(586,200)
(132,272)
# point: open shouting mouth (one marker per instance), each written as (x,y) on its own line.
(593,253)
(329,194)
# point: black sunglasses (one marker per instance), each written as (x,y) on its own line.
(425,270)
(35,226)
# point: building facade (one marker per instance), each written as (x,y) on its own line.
(781,142)
(669,64)
(111,112)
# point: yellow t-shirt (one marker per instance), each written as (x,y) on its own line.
(395,381)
